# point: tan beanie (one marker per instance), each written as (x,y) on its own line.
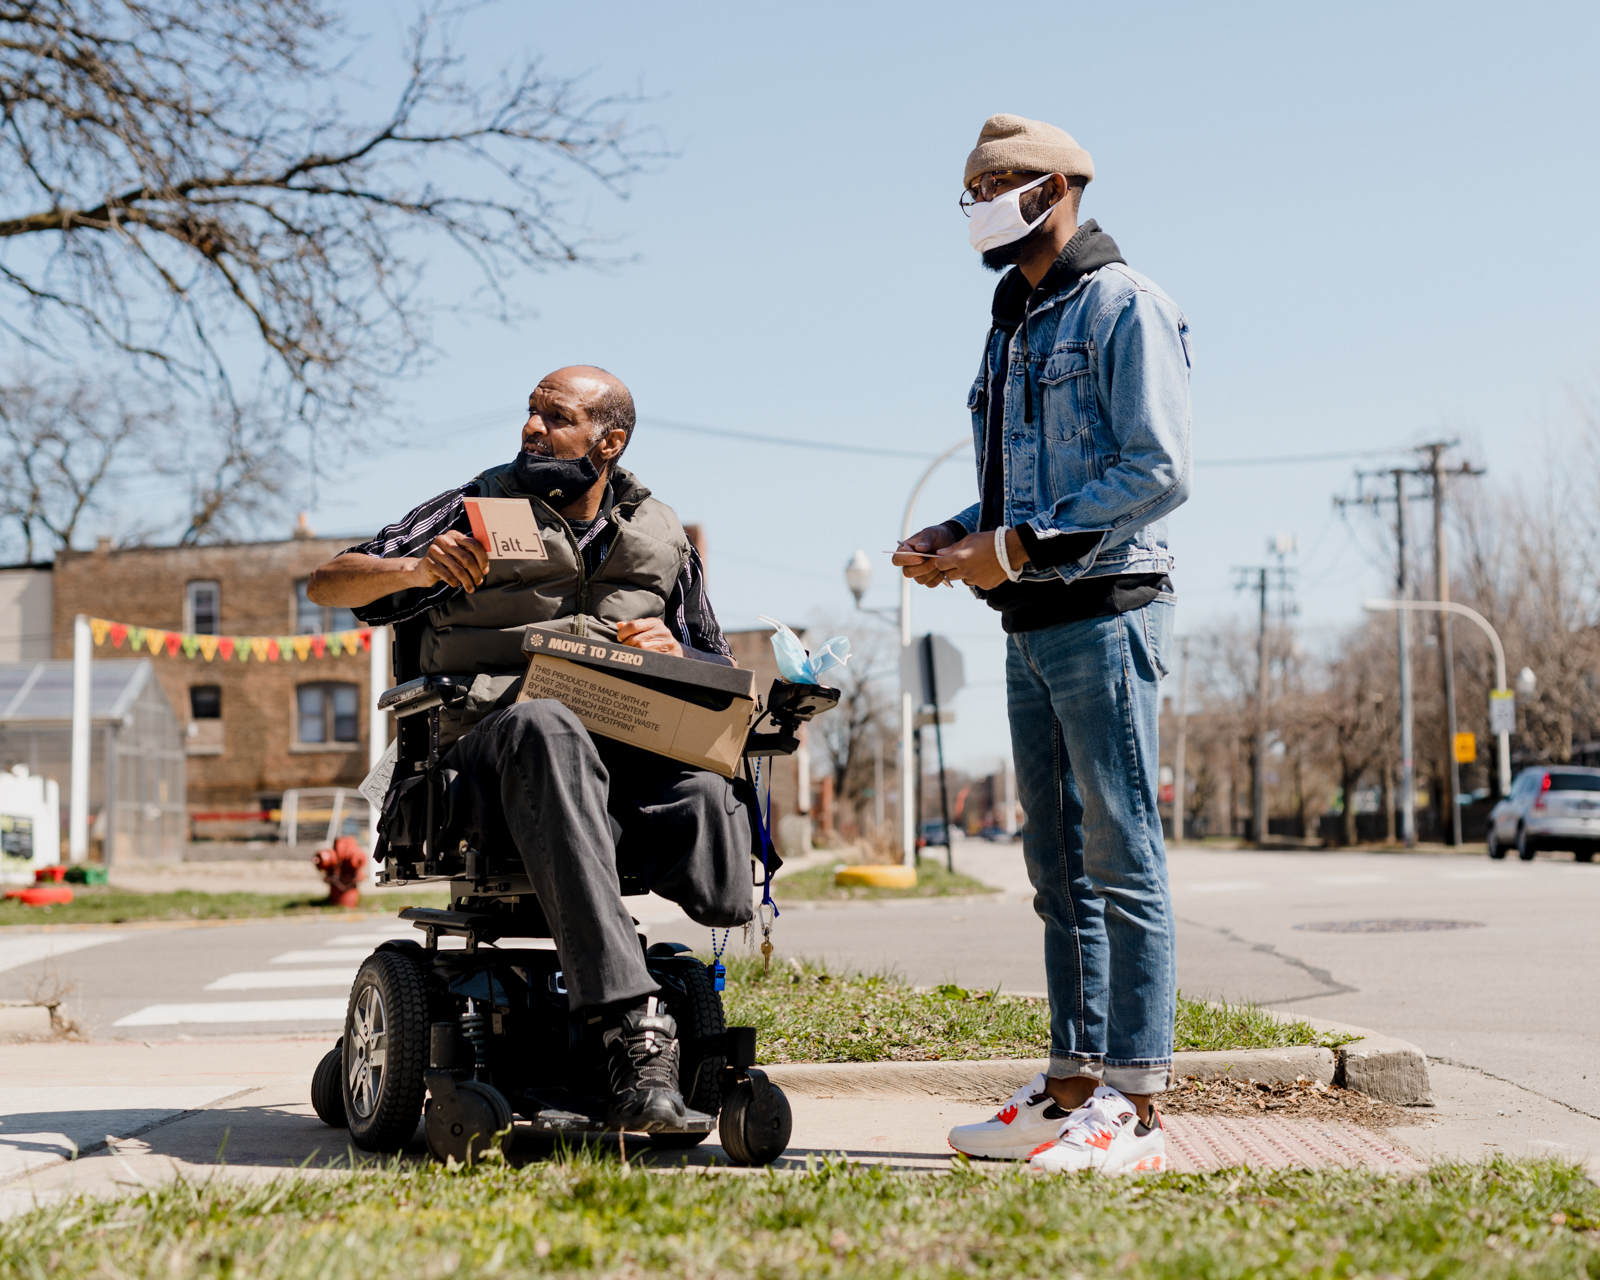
(1012,142)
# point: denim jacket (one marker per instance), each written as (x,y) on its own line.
(1104,446)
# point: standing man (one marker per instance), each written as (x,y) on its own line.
(1080,413)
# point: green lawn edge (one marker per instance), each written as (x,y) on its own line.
(106,904)
(589,1214)
(805,1012)
(815,884)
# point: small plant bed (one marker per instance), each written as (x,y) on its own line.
(103,904)
(591,1215)
(815,884)
(1302,1100)
(803,1012)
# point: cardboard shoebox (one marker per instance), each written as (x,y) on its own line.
(696,712)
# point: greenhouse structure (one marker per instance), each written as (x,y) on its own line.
(137,802)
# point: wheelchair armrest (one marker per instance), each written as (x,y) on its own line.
(424,694)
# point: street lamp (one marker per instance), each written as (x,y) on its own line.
(1472,615)
(858,577)
(1527,682)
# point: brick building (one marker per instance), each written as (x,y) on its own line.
(253,728)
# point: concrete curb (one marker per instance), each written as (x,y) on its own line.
(1387,1068)
(995,1079)
(21,1020)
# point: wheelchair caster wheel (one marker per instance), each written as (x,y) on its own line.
(756,1122)
(466,1122)
(327,1087)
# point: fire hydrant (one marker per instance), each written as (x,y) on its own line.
(343,867)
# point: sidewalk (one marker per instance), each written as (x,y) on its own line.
(144,1114)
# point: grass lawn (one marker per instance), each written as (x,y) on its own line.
(805,1013)
(104,904)
(933,881)
(588,1215)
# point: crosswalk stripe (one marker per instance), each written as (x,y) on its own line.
(372,939)
(323,956)
(257,980)
(16,952)
(322,1009)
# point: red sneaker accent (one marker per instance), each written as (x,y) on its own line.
(1151,1163)
(1008,1115)
(1043,1146)
(1101,1140)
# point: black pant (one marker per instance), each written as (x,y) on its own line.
(687,834)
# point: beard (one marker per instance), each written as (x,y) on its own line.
(1002,256)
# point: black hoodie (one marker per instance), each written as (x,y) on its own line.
(1027,606)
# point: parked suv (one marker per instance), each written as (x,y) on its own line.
(1552,807)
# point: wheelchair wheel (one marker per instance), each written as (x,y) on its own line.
(755,1125)
(468,1124)
(697,1009)
(327,1093)
(385,1052)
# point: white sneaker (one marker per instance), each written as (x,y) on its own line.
(1030,1118)
(1106,1135)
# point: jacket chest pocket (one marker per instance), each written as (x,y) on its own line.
(1065,393)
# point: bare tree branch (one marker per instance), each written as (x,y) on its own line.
(180,181)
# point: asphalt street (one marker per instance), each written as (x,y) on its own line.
(1515,994)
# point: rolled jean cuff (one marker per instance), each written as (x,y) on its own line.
(1067,1068)
(1141,1078)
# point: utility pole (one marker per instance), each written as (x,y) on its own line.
(1258,782)
(1435,474)
(1447,656)
(1259,580)
(1179,788)
(1408,764)
(1402,582)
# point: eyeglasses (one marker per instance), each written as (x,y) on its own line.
(986,188)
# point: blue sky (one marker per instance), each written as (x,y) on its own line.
(1378,219)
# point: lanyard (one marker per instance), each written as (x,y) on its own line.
(769,909)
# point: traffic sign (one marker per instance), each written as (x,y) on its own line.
(1466,748)
(935,683)
(1502,711)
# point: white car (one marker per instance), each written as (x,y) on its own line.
(1551,807)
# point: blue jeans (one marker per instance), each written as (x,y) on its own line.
(1084,701)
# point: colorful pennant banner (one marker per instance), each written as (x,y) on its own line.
(329,644)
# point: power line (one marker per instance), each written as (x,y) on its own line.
(791,442)
(1292,459)
(489,417)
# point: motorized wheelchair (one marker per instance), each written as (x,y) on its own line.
(471,1037)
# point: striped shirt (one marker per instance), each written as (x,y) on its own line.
(688,614)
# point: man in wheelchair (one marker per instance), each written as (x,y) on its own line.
(584,813)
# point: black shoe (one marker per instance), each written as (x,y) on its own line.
(642,1058)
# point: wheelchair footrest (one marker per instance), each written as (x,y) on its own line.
(555,1121)
(485,926)
(562,1111)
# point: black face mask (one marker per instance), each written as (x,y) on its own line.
(558,481)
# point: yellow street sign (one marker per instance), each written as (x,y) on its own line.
(1466,748)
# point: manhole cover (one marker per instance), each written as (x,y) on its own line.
(1402,925)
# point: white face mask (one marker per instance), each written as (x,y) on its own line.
(1000,221)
